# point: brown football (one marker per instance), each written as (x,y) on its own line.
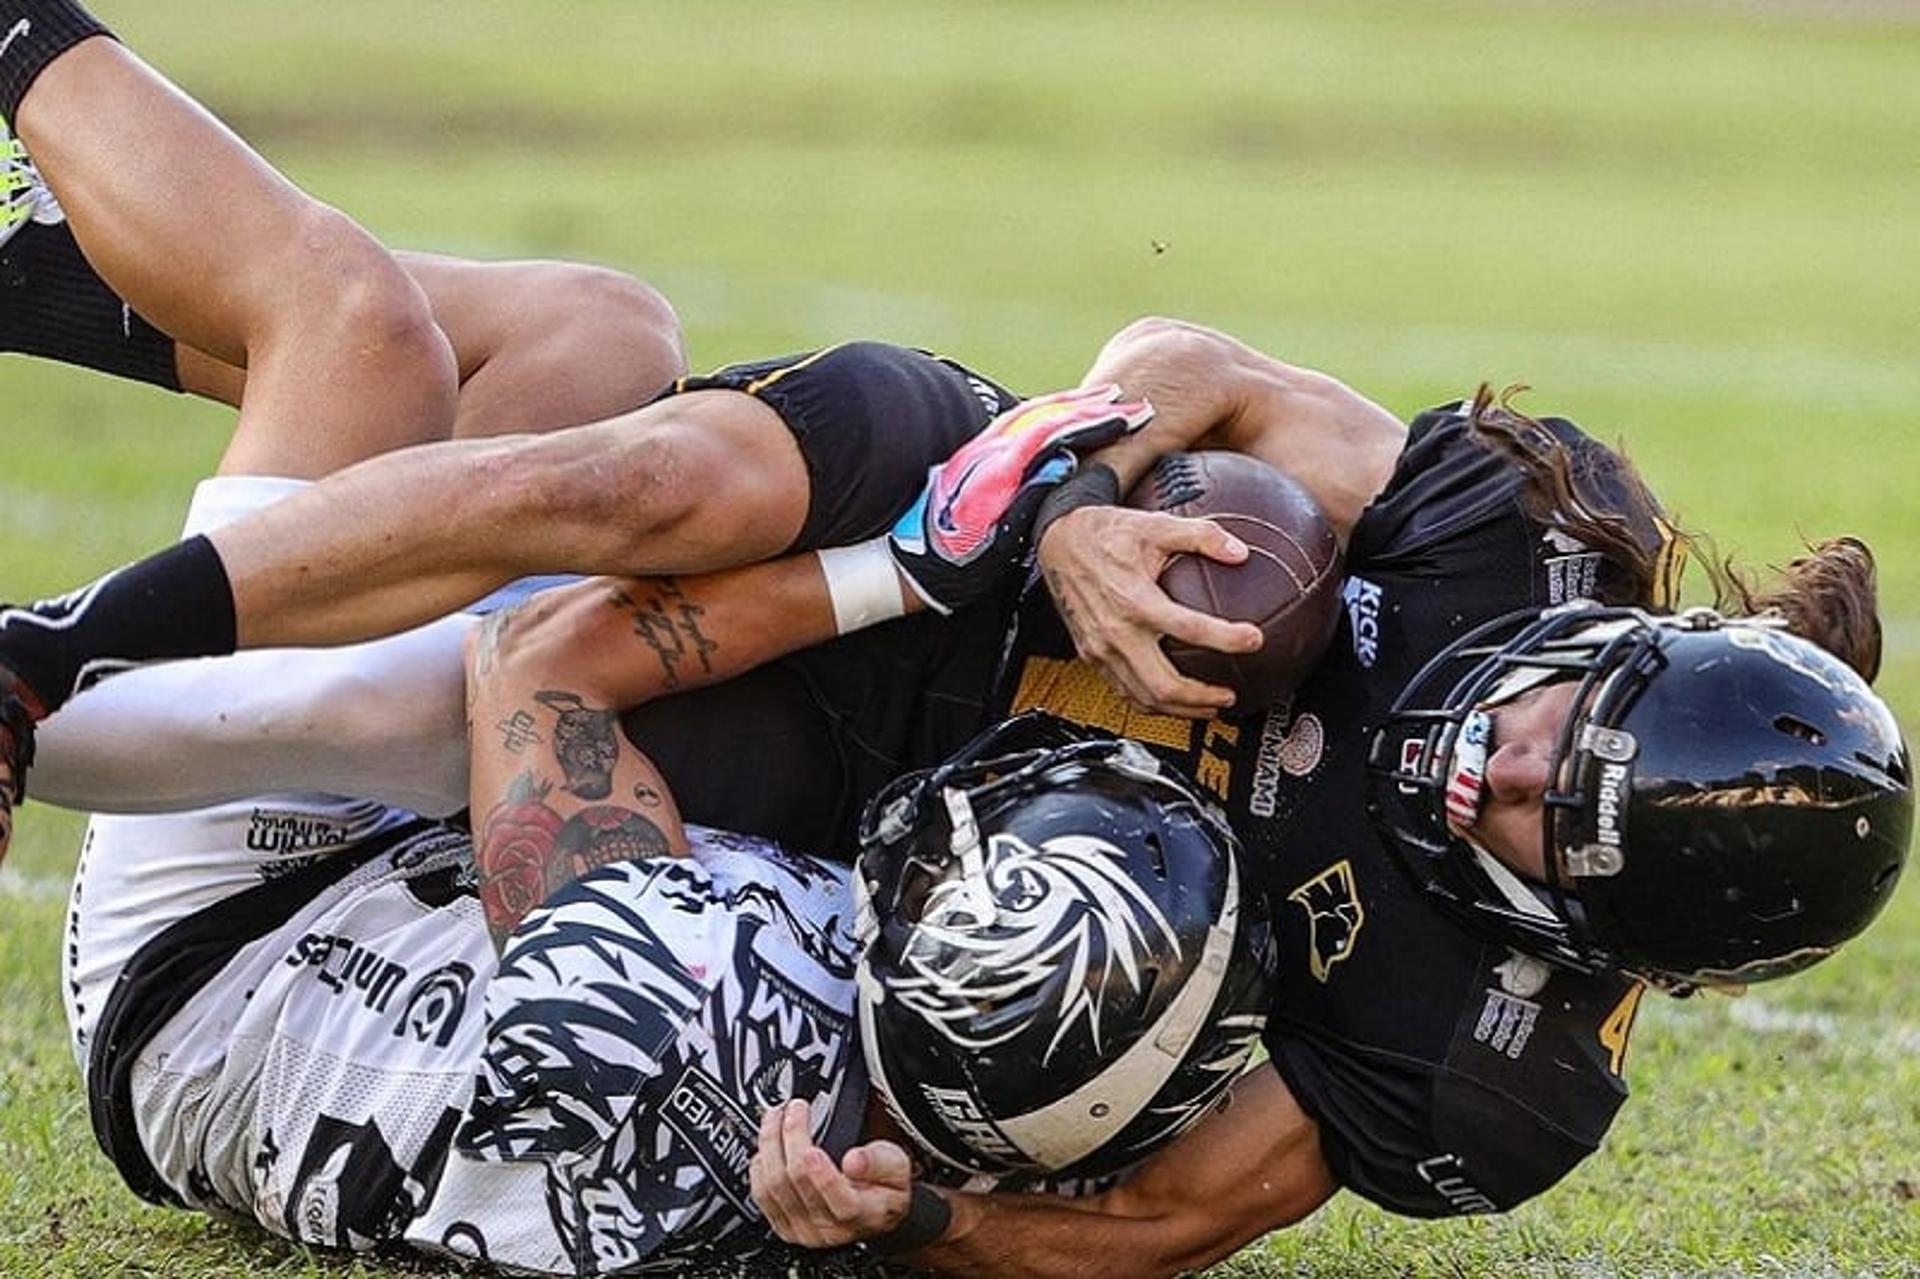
(1289,586)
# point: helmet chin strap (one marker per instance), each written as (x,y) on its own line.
(1466,794)
(1517,891)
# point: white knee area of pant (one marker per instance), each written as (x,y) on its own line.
(221,499)
(382,721)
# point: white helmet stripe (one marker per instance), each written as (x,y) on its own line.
(1078,1124)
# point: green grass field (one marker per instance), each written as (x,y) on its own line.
(1692,227)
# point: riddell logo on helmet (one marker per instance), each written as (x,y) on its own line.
(1609,813)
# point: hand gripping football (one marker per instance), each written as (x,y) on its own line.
(1289,585)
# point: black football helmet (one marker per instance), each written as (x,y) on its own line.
(1727,802)
(1063,965)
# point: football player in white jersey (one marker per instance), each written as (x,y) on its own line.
(553,1053)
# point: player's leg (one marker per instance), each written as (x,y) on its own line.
(754,461)
(543,345)
(540,345)
(806,452)
(381,719)
(210,244)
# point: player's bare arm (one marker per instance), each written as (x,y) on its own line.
(561,788)
(1218,392)
(1253,1166)
(1102,562)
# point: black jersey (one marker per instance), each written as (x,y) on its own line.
(1446,1075)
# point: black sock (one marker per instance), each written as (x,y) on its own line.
(32,34)
(171,605)
(53,304)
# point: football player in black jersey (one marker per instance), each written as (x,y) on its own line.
(1450,1040)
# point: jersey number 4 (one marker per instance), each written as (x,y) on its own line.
(1618,1027)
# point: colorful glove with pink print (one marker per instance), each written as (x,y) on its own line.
(968,531)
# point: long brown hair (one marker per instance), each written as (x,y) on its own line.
(1828,595)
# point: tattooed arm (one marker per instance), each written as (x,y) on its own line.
(557,789)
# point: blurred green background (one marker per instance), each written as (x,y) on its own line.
(1688,226)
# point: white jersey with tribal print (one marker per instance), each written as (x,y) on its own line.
(287,1006)
(361,1074)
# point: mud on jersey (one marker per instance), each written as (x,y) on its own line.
(1446,1075)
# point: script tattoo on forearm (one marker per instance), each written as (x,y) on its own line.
(669,623)
(527,851)
(585,742)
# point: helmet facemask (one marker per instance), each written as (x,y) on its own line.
(1683,866)
(1416,784)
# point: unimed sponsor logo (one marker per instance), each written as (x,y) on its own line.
(1448,1179)
(719,1132)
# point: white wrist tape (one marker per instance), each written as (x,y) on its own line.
(862,584)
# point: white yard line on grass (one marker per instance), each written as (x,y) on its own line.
(33,888)
(1878,1036)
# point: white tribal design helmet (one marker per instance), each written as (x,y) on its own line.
(1062,968)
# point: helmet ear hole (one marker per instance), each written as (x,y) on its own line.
(1157,854)
(1794,726)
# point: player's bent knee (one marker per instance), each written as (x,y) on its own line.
(631,324)
(340,281)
